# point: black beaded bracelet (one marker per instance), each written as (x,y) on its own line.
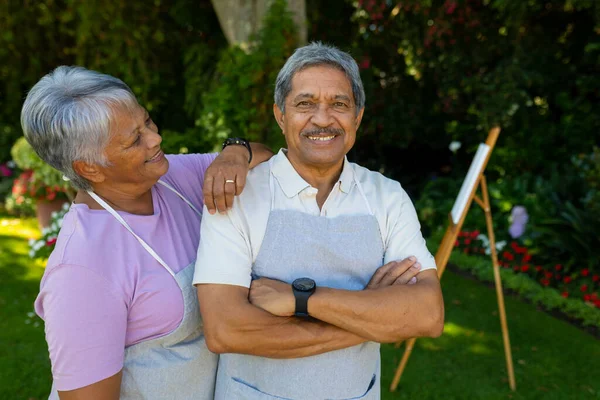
(239,141)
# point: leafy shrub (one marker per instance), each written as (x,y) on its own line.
(239,103)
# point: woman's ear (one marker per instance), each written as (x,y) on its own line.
(91,172)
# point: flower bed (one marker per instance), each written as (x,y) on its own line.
(575,293)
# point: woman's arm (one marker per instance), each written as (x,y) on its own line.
(225,178)
(107,389)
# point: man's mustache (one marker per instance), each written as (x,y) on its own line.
(320,131)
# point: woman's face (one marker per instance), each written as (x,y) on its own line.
(133,151)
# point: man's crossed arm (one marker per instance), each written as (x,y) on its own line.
(259,320)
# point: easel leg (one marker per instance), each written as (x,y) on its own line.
(498,281)
(410,343)
(441,259)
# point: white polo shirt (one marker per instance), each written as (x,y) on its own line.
(231,242)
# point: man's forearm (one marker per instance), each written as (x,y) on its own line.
(383,315)
(260,153)
(246,329)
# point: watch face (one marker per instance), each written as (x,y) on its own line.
(304,284)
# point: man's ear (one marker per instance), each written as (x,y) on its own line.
(359,117)
(91,172)
(279,116)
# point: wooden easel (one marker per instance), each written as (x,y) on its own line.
(443,254)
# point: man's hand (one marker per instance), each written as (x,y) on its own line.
(273,296)
(396,273)
(277,297)
(225,178)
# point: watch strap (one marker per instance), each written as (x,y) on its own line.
(301,303)
(240,141)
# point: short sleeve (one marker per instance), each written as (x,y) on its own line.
(224,253)
(85,323)
(186,173)
(403,237)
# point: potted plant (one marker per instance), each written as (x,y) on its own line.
(39,182)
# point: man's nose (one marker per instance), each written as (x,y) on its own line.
(322,116)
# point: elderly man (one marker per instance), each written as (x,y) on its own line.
(309,325)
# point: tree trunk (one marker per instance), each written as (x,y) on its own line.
(241,18)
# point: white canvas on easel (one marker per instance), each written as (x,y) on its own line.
(469,183)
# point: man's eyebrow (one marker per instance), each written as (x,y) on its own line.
(342,97)
(304,96)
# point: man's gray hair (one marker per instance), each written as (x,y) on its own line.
(67,115)
(316,54)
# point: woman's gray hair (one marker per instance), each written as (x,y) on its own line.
(316,54)
(67,115)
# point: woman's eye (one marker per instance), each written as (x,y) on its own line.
(149,121)
(137,139)
(303,104)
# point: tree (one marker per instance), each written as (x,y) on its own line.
(242,18)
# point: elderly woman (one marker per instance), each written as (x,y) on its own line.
(122,318)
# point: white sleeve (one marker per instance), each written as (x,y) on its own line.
(224,254)
(403,237)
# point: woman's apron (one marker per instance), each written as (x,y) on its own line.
(177,365)
(341,252)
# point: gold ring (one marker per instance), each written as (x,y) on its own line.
(229,181)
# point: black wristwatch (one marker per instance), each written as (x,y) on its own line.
(303,288)
(240,141)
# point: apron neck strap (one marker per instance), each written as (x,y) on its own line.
(145,245)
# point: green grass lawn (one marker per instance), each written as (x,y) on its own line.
(553,360)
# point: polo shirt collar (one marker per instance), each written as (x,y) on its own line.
(292,183)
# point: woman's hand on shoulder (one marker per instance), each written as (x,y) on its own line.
(225,178)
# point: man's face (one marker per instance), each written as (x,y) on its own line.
(320,119)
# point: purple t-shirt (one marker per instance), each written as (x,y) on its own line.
(102,292)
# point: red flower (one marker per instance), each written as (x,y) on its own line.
(558,267)
(456,244)
(538,268)
(594,296)
(587,297)
(525,268)
(585,272)
(516,268)
(567,279)
(548,274)
(508,256)
(584,288)
(544,282)
(527,258)
(462,234)
(565,294)
(50,242)
(596,278)
(475,233)
(597,303)
(467,241)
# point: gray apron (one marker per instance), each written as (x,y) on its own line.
(177,365)
(342,253)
